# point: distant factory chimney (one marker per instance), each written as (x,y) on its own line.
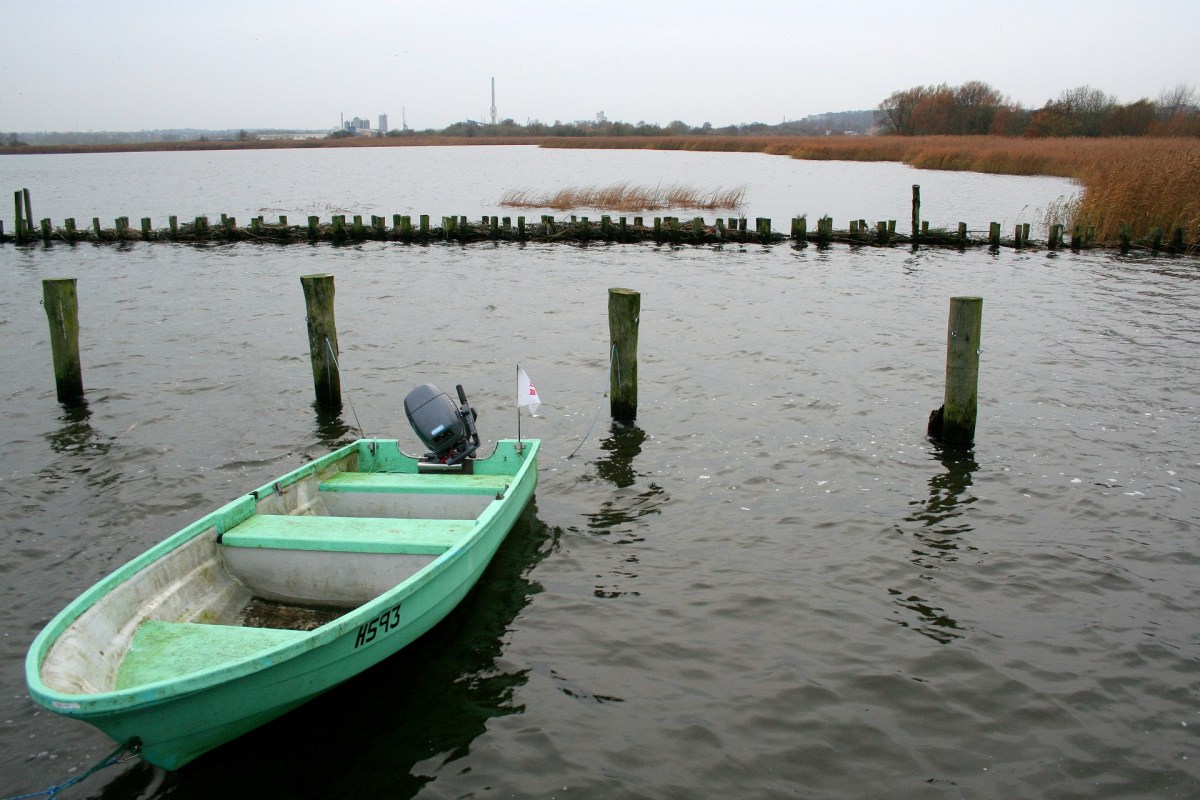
(493,101)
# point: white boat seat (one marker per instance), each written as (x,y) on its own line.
(348,534)
(413,483)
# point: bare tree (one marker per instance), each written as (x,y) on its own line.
(1177,100)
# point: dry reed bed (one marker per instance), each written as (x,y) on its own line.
(1140,184)
(628,198)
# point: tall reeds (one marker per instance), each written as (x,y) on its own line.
(1136,183)
(1141,186)
(627,198)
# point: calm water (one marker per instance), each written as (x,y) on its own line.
(773,585)
(471,180)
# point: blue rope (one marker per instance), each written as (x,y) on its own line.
(111,759)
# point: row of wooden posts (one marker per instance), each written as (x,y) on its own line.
(953,423)
(577,229)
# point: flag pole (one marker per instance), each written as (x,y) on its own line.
(520,446)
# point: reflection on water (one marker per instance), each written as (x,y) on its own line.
(76,432)
(331,429)
(939,524)
(623,445)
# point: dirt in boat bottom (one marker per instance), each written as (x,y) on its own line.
(262,613)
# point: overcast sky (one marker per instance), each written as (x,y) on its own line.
(218,64)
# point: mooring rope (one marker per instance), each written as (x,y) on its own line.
(613,360)
(333,355)
(111,759)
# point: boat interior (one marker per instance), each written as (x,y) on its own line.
(294,558)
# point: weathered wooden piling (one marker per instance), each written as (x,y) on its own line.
(322,339)
(624,312)
(954,422)
(458,229)
(916,213)
(824,230)
(62,310)
(28,212)
(18,214)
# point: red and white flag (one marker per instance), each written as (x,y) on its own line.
(526,394)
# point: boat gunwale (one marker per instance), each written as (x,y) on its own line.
(95,704)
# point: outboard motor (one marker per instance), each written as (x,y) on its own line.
(443,427)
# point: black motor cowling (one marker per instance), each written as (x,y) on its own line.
(443,427)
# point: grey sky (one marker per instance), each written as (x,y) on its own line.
(149,64)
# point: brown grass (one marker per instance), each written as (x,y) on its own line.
(1139,183)
(627,198)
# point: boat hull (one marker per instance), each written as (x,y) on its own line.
(175,720)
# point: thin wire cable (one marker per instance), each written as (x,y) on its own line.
(328,346)
(612,359)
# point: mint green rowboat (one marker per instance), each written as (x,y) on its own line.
(277,596)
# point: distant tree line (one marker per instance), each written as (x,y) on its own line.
(975,108)
(837,122)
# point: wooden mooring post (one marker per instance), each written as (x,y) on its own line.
(62,310)
(322,340)
(916,213)
(19,222)
(954,422)
(624,312)
(28,214)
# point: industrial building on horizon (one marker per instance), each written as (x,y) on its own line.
(362,127)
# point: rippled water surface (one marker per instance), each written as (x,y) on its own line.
(772,585)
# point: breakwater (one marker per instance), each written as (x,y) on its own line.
(426,229)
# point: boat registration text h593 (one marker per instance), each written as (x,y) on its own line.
(388,620)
